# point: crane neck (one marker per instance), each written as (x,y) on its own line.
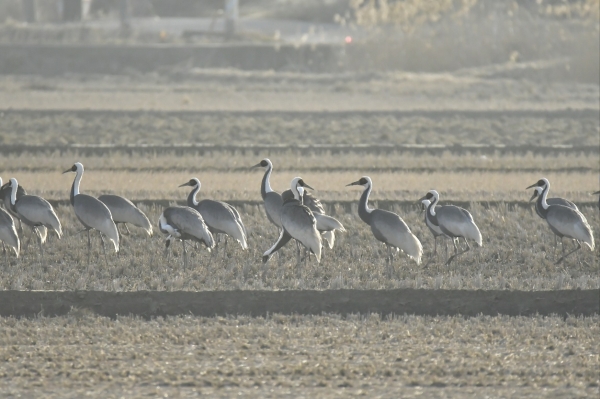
(13,192)
(265,186)
(543,197)
(431,215)
(364,212)
(75,186)
(432,204)
(191,200)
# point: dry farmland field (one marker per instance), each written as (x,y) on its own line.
(331,130)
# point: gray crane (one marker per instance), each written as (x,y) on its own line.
(8,232)
(387,226)
(5,198)
(220,217)
(272,199)
(297,222)
(455,222)
(434,228)
(124,211)
(327,225)
(184,223)
(564,221)
(539,209)
(92,213)
(34,211)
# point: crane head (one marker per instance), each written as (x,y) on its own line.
(540,183)
(194,182)
(431,194)
(264,163)
(363,181)
(77,166)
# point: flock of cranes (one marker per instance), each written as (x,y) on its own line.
(296,213)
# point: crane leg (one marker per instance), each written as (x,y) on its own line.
(565,256)
(458,253)
(89,247)
(184,255)
(39,236)
(389,261)
(225,248)
(28,240)
(167,243)
(103,249)
(434,252)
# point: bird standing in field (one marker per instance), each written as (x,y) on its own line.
(387,227)
(92,213)
(184,223)
(8,232)
(454,222)
(297,222)
(539,209)
(5,192)
(434,228)
(327,225)
(220,217)
(564,221)
(35,212)
(272,199)
(124,211)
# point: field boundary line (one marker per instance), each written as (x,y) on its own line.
(571,113)
(305,149)
(262,303)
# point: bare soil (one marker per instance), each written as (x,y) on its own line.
(326,356)
(262,303)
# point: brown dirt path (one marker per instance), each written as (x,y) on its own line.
(261,303)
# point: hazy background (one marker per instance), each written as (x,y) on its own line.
(547,39)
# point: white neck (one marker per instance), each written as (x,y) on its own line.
(196,190)
(545,195)
(433,201)
(13,192)
(78,176)
(298,194)
(369,188)
(0,182)
(268,188)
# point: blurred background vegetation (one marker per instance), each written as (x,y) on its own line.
(409,35)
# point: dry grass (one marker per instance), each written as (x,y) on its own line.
(227,176)
(284,356)
(293,128)
(292,160)
(516,255)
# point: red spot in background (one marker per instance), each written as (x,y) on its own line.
(348,39)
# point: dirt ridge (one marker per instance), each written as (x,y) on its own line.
(261,303)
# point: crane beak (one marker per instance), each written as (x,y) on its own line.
(421,199)
(307,186)
(255,166)
(596,193)
(532,186)
(533,196)
(184,184)
(356,183)
(67,171)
